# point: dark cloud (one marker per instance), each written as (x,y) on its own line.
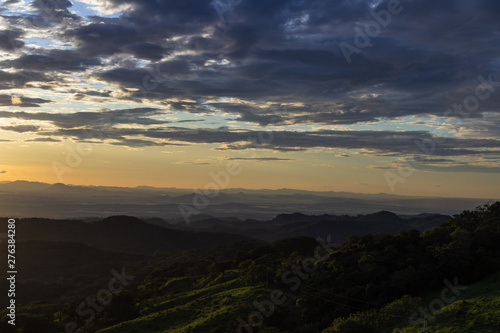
(21,128)
(20,101)
(139,143)
(259,159)
(286,49)
(461,168)
(435,160)
(181,15)
(79,95)
(271,63)
(98,121)
(42,140)
(10,40)
(21,78)
(384,143)
(51,12)
(103,39)
(146,51)
(53,60)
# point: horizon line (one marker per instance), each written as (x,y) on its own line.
(252,189)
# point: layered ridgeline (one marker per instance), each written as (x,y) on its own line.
(34,199)
(121,233)
(130,234)
(371,283)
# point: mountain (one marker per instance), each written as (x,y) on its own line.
(62,201)
(339,228)
(378,283)
(121,233)
(131,234)
(23,186)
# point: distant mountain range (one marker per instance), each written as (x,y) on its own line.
(121,233)
(35,199)
(338,228)
(130,234)
(175,273)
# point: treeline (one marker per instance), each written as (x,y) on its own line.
(366,284)
(369,272)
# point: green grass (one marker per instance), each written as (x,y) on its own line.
(192,305)
(477,309)
(198,305)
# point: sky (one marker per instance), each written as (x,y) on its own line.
(370,96)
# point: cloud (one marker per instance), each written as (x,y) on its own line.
(21,128)
(435,160)
(146,51)
(192,163)
(42,140)
(96,121)
(272,64)
(20,101)
(272,52)
(10,40)
(149,130)
(103,39)
(139,143)
(52,12)
(384,143)
(10,2)
(53,60)
(20,78)
(259,159)
(460,168)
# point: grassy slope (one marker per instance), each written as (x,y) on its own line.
(191,305)
(476,310)
(198,305)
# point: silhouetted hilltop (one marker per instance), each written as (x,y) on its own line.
(122,233)
(338,227)
(131,234)
(383,215)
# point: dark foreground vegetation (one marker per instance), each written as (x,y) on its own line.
(225,283)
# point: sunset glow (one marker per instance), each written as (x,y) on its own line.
(142,93)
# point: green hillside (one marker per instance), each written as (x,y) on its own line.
(191,305)
(376,283)
(477,309)
(203,305)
